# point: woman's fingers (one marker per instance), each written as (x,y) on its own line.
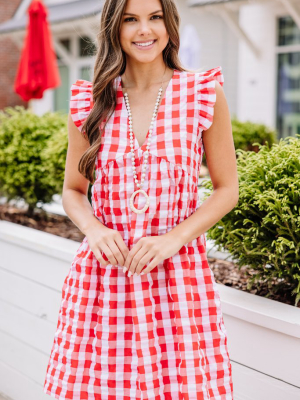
(130,260)
(154,262)
(109,254)
(139,260)
(122,248)
(99,257)
(108,244)
(116,253)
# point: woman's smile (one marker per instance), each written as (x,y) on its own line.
(144,45)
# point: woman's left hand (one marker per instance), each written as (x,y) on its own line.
(155,248)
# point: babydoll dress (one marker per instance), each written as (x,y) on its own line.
(161,335)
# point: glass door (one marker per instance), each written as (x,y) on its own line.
(288,78)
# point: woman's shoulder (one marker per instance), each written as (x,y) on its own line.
(205,76)
(206,94)
(81,101)
(81,89)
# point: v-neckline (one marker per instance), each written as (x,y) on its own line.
(162,103)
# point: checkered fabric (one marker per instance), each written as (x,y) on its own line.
(158,336)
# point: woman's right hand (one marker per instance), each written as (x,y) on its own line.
(108,241)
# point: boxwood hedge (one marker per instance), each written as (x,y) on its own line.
(263,229)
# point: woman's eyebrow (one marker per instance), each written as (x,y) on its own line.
(154,12)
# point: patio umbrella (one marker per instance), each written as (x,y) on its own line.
(37,69)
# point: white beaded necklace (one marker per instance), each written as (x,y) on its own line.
(146,154)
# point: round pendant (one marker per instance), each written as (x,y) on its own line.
(145,206)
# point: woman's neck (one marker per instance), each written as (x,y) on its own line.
(142,77)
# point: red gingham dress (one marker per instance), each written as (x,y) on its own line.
(161,335)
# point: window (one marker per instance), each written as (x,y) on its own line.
(288,78)
(86,73)
(61,96)
(86,47)
(288,32)
(77,65)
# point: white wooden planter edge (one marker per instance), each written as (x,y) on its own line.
(255,309)
(38,241)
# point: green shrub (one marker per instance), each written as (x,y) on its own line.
(23,138)
(248,135)
(263,230)
(54,158)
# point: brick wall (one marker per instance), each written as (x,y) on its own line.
(9,58)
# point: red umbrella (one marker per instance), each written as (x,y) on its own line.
(37,70)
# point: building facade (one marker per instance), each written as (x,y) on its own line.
(9,56)
(257,43)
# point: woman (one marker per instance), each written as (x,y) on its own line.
(140,314)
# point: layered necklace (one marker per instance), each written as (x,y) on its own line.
(146,154)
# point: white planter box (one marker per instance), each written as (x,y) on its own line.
(263,334)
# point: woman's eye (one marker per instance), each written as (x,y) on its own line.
(128,19)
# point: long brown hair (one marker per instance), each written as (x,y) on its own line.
(110,63)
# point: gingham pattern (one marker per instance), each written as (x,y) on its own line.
(161,335)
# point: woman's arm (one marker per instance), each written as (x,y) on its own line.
(221,163)
(75,188)
(78,208)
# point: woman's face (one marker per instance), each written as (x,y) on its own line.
(143,22)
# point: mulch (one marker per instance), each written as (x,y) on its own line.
(225,272)
(59,225)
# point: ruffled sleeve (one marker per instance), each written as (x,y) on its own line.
(206,94)
(81,102)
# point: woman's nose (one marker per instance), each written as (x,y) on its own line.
(144,28)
